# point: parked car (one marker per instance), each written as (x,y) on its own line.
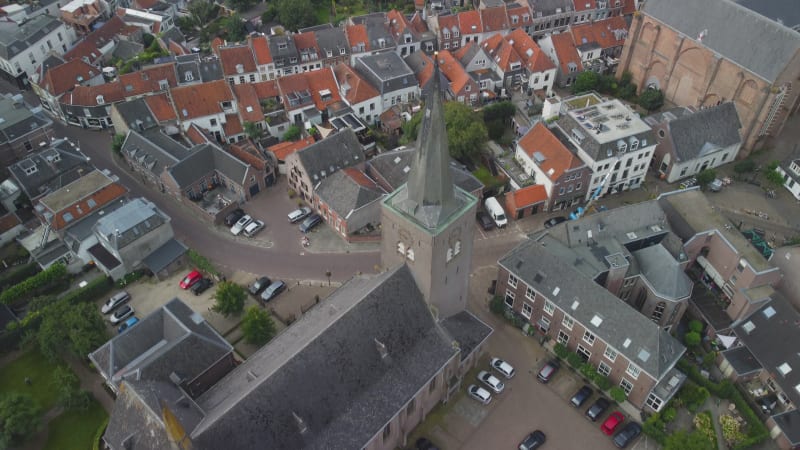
(425,444)
(121,314)
(533,441)
(480,394)
(253,228)
(116,300)
(581,396)
(627,435)
(597,409)
(496,212)
(234,216)
(299,214)
(273,290)
(503,367)
(611,424)
(201,286)
(310,222)
(554,221)
(491,381)
(127,324)
(190,279)
(241,224)
(484,220)
(259,285)
(547,371)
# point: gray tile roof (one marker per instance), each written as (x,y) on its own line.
(204,159)
(789,422)
(50,169)
(332,39)
(18,119)
(327,370)
(467,330)
(16,39)
(548,7)
(386,71)
(394,166)
(724,25)
(130,222)
(333,153)
(781,11)
(649,347)
(136,114)
(164,255)
(343,194)
(154,150)
(663,272)
(282,48)
(705,131)
(127,49)
(742,360)
(377,29)
(211,70)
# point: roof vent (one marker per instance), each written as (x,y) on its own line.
(627,343)
(556,291)
(597,320)
(784,369)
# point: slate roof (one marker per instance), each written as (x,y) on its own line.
(663,273)
(130,222)
(348,190)
(467,330)
(782,11)
(16,39)
(327,370)
(80,198)
(153,149)
(333,153)
(650,347)
(727,23)
(549,7)
(394,166)
(164,255)
(705,131)
(19,119)
(56,166)
(386,71)
(210,70)
(204,159)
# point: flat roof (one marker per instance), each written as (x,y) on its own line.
(77,190)
(611,118)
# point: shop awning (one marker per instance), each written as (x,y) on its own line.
(711,271)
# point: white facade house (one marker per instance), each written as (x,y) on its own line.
(790,169)
(24,45)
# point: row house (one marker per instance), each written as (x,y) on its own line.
(554,164)
(60,79)
(358,40)
(481,67)
(307,167)
(600,43)
(98,46)
(149,80)
(90,106)
(82,15)
(540,70)
(362,98)
(306,96)
(49,169)
(308,50)
(284,55)
(191,69)
(551,17)
(263,57)
(149,21)
(460,86)
(559,300)
(391,77)
(248,101)
(350,202)
(406,36)
(238,64)
(25,45)
(790,169)
(137,115)
(506,59)
(454,31)
(207,105)
(564,53)
(378,36)
(332,44)
(22,128)
(611,139)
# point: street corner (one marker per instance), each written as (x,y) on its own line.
(324,239)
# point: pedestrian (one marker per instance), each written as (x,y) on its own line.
(28,381)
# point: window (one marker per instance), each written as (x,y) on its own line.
(529,294)
(583,352)
(610,354)
(633,371)
(658,312)
(563,338)
(213,122)
(626,386)
(567,322)
(561,191)
(604,369)
(527,310)
(544,324)
(510,298)
(588,337)
(410,254)
(578,186)
(60,38)
(512,281)
(654,402)
(549,307)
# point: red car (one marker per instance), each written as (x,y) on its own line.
(189,280)
(614,420)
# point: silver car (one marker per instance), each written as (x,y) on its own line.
(241,224)
(491,381)
(480,394)
(112,303)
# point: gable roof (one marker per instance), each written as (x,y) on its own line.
(284,149)
(607,33)
(337,151)
(50,169)
(136,114)
(204,159)
(60,79)
(566,52)
(149,79)
(199,100)
(501,51)
(320,81)
(469,22)
(393,167)
(237,57)
(724,23)
(80,198)
(705,131)
(455,73)
(449,22)
(422,65)
(261,50)
(89,47)
(247,152)
(548,152)
(356,37)
(348,190)
(354,87)
(101,94)
(153,150)
(249,106)
(266,89)
(533,58)
(161,107)
(494,19)
(529,195)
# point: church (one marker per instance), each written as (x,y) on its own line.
(360,370)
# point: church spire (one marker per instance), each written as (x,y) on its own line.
(431,195)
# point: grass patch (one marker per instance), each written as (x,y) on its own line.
(75,429)
(484,176)
(34,366)
(323,13)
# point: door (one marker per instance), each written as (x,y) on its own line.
(254,189)
(520,213)
(269,180)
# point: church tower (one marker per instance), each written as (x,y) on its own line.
(428,223)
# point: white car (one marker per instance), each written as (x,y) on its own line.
(253,228)
(480,394)
(118,299)
(491,381)
(503,367)
(241,224)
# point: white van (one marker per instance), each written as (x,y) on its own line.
(496,212)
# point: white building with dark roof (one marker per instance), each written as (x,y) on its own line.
(25,44)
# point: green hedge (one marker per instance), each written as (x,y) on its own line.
(99,434)
(18,274)
(93,290)
(53,274)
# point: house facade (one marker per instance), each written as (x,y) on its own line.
(308,166)
(790,169)
(23,46)
(391,77)
(22,130)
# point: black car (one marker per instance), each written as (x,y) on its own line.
(201,286)
(581,396)
(631,431)
(534,440)
(259,285)
(310,222)
(234,217)
(597,409)
(425,444)
(486,222)
(555,221)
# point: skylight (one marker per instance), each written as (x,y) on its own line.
(627,343)
(748,327)
(784,369)
(597,320)
(769,312)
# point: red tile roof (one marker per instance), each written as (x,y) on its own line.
(628,7)
(557,157)
(88,95)
(80,208)
(199,100)
(58,80)
(426,72)
(469,22)
(161,107)
(248,153)
(566,51)
(463,50)
(177,49)
(359,89)
(357,34)
(216,43)
(284,149)
(606,33)
(521,12)
(501,51)
(320,80)
(266,89)
(418,23)
(455,73)
(196,135)
(533,58)
(90,46)
(585,5)
(8,221)
(292,83)
(494,19)
(307,40)
(261,50)
(148,79)
(233,58)
(398,23)
(361,179)
(450,23)
(527,196)
(232,126)
(249,106)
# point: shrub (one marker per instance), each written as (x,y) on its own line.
(696,326)
(705,425)
(651,99)
(98,436)
(588,371)
(93,290)
(693,396)
(574,360)
(655,428)
(618,394)
(746,166)
(496,305)
(692,339)
(669,414)
(602,381)
(560,350)
(18,274)
(130,278)
(201,262)
(53,274)
(731,430)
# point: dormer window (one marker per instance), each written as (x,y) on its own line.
(281,45)
(292,59)
(382,43)
(163,85)
(526,17)
(329,53)
(514,19)
(100,100)
(30,170)
(407,38)
(446,34)
(342,51)
(634,143)
(456,33)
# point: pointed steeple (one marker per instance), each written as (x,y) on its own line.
(431,196)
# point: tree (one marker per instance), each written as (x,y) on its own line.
(500,110)
(706,176)
(466,131)
(693,396)
(68,389)
(293,133)
(253,131)
(117,141)
(79,328)
(240,5)
(683,440)
(19,418)
(695,325)
(772,175)
(147,40)
(295,14)
(229,298)
(692,339)
(651,99)
(269,15)
(257,326)
(233,27)
(202,12)
(618,394)
(585,81)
